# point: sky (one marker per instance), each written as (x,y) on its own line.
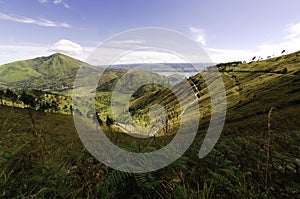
(231,30)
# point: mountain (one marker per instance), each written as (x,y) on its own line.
(53,72)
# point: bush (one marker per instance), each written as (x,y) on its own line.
(284,71)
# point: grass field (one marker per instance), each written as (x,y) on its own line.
(257,155)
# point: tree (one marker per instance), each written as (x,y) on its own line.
(54,105)
(44,106)
(109,121)
(28,100)
(284,71)
(1,95)
(11,95)
(97,118)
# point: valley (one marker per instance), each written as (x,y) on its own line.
(257,155)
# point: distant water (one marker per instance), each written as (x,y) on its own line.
(185,74)
(166,69)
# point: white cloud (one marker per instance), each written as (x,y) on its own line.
(111,55)
(67,47)
(43,1)
(293,31)
(226,55)
(57,2)
(27,20)
(199,35)
(128,42)
(46,22)
(149,57)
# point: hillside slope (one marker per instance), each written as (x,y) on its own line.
(251,90)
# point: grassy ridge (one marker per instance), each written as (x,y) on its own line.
(251,90)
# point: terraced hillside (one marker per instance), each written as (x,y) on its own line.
(252,89)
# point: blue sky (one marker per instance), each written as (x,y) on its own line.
(228,30)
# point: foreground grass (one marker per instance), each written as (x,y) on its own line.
(50,162)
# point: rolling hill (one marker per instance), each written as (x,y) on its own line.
(252,89)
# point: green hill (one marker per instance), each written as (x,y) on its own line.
(128,80)
(251,90)
(53,72)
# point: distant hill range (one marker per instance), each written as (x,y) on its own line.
(58,72)
(165,67)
